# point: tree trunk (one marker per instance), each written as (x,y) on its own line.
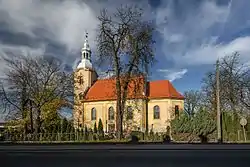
(31,122)
(38,122)
(119,98)
(31,118)
(24,115)
(119,118)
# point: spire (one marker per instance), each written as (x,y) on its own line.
(86,54)
(86,43)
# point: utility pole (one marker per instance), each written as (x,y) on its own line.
(219,128)
(146,92)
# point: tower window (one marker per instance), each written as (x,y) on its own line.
(93,114)
(129,113)
(111,113)
(80,96)
(156,112)
(84,56)
(80,80)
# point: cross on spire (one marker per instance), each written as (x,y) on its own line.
(86,35)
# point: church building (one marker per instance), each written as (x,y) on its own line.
(155,104)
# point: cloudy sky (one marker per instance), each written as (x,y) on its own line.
(191,34)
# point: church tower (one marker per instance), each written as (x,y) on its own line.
(84,77)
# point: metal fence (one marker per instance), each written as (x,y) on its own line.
(44,137)
(85,137)
(77,136)
(238,137)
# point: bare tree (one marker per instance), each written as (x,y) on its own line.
(209,92)
(192,101)
(125,40)
(234,81)
(15,88)
(33,82)
(244,84)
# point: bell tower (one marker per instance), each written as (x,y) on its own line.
(84,77)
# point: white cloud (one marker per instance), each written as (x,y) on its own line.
(208,54)
(191,39)
(196,38)
(7,50)
(64,22)
(172,75)
(174,38)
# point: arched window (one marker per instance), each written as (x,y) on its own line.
(84,55)
(111,113)
(93,114)
(176,110)
(87,55)
(129,113)
(156,112)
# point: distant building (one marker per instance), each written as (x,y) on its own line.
(152,107)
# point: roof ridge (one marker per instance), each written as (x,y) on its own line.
(112,78)
(159,80)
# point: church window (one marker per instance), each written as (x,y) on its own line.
(93,114)
(176,110)
(129,113)
(84,55)
(87,55)
(111,113)
(156,112)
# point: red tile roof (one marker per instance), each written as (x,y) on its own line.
(163,89)
(104,89)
